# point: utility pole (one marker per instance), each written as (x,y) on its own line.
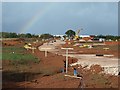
(67,56)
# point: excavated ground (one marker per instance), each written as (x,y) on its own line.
(46,73)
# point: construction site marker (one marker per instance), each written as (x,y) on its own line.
(46,49)
(67,56)
(33,49)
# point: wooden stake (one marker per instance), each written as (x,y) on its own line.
(46,49)
(67,56)
(72,76)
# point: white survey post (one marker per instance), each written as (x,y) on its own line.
(33,48)
(67,56)
(46,49)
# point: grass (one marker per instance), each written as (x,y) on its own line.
(16,53)
(17,56)
(17,59)
(11,49)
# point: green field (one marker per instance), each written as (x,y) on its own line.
(16,53)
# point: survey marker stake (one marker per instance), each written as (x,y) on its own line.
(46,49)
(67,56)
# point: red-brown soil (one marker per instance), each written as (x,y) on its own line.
(12,42)
(112,42)
(114,48)
(51,77)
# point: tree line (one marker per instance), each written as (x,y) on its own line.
(15,35)
(108,37)
(69,33)
(27,35)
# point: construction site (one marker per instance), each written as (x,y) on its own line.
(53,62)
(59,44)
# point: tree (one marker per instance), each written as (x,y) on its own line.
(21,35)
(13,35)
(28,35)
(35,36)
(8,35)
(5,35)
(46,36)
(70,33)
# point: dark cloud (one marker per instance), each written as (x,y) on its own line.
(56,18)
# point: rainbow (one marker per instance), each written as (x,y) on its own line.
(39,14)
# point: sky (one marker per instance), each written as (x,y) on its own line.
(94,18)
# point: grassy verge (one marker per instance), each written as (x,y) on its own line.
(16,53)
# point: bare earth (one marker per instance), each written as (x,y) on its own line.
(110,65)
(52,64)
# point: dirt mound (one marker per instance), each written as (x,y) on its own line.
(96,69)
(72,60)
